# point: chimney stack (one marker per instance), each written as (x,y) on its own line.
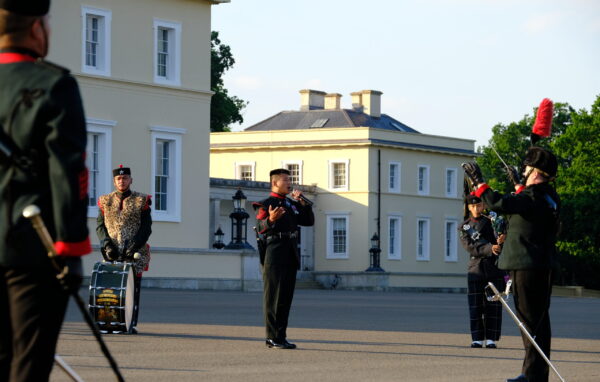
(357,101)
(311,99)
(368,102)
(332,101)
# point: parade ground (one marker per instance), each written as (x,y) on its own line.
(341,336)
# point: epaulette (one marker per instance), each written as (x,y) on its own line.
(51,65)
(257,205)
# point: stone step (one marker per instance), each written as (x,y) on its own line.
(308,284)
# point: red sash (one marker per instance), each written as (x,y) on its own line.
(10,58)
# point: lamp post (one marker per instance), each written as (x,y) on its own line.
(239,218)
(218,244)
(375,251)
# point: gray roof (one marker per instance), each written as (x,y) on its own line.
(313,119)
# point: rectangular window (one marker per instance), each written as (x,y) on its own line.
(338,175)
(161,177)
(423,180)
(450,253)
(245,170)
(423,239)
(337,236)
(167,52)
(98,161)
(166,173)
(295,168)
(394,243)
(394,178)
(451,182)
(96,41)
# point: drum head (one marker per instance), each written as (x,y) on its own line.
(129,299)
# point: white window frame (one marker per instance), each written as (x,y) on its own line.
(426,239)
(453,257)
(396,187)
(329,251)
(425,190)
(173,134)
(173,77)
(105,185)
(238,173)
(285,163)
(346,162)
(453,192)
(397,255)
(104,41)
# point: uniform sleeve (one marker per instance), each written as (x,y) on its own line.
(505,203)
(101,230)
(143,233)
(262,221)
(306,217)
(66,144)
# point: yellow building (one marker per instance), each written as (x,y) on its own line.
(369,174)
(143,67)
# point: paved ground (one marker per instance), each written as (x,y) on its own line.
(341,336)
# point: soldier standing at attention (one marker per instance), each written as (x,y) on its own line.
(529,251)
(42,161)
(124,226)
(278,218)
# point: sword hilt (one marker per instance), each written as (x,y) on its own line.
(33,213)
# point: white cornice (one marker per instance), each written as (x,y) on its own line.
(166,129)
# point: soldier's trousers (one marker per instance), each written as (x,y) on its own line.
(485,316)
(279,283)
(531,291)
(32,308)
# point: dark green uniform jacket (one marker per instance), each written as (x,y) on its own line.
(281,248)
(532,225)
(41,111)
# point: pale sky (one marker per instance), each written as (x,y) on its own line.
(445,67)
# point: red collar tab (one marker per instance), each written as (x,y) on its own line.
(278,196)
(11,57)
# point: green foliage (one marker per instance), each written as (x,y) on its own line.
(575,141)
(225,109)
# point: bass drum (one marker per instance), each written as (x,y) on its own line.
(111,296)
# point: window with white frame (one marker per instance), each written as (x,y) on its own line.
(338,175)
(98,160)
(423,239)
(337,236)
(394,237)
(451,186)
(166,173)
(244,170)
(95,51)
(450,251)
(423,180)
(167,52)
(295,169)
(394,177)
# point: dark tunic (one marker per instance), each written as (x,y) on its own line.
(482,262)
(281,260)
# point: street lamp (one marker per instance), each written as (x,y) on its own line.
(218,244)
(375,251)
(239,218)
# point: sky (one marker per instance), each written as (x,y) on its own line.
(445,67)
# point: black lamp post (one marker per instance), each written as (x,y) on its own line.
(239,227)
(375,251)
(218,244)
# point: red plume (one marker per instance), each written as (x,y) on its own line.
(543,120)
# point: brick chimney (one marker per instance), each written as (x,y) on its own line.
(311,99)
(332,101)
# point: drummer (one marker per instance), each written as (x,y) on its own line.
(124,226)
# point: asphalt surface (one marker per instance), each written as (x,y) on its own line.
(341,336)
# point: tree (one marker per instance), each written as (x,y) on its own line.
(575,140)
(225,109)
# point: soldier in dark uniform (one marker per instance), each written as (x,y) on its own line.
(479,240)
(42,162)
(278,218)
(529,252)
(124,225)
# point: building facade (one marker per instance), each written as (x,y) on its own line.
(370,174)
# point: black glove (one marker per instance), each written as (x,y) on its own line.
(110,251)
(130,251)
(473,171)
(513,175)
(72,273)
